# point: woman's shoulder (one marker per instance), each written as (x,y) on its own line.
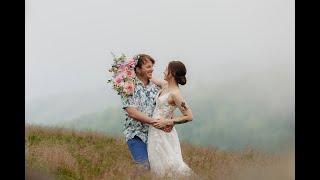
(175,93)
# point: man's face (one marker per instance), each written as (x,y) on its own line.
(146,69)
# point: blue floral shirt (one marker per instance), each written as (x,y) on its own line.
(144,100)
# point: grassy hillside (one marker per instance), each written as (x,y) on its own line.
(220,123)
(56,153)
(255,108)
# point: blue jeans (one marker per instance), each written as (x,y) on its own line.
(139,151)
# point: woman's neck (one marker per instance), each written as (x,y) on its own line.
(172,85)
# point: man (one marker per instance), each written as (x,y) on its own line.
(139,109)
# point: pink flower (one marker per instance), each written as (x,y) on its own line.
(128,87)
(131,63)
(118,79)
(130,74)
(122,67)
(123,74)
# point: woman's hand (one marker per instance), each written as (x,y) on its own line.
(162,123)
(167,128)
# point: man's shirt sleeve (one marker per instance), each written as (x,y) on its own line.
(128,102)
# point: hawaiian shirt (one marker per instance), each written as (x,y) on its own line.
(144,100)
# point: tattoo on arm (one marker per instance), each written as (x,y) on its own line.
(184,107)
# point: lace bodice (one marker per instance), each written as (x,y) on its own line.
(163,108)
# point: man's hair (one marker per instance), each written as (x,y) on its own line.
(143,58)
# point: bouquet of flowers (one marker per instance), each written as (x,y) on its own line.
(123,78)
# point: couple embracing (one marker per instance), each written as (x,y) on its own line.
(149,126)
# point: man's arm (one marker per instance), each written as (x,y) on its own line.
(130,106)
(139,116)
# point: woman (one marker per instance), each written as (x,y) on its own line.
(164,148)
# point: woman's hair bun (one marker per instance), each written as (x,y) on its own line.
(181,80)
(178,71)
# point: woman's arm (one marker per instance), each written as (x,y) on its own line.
(183,107)
(159,82)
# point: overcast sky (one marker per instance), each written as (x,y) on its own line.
(68,42)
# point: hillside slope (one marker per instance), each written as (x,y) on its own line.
(56,153)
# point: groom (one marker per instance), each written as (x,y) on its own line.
(139,109)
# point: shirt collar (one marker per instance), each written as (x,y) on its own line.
(139,82)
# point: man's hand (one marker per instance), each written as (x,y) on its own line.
(162,123)
(165,128)
(155,121)
(152,122)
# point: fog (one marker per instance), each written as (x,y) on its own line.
(68,43)
(221,42)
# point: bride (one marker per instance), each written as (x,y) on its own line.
(164,150)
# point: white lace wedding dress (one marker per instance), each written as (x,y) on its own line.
(164,148)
